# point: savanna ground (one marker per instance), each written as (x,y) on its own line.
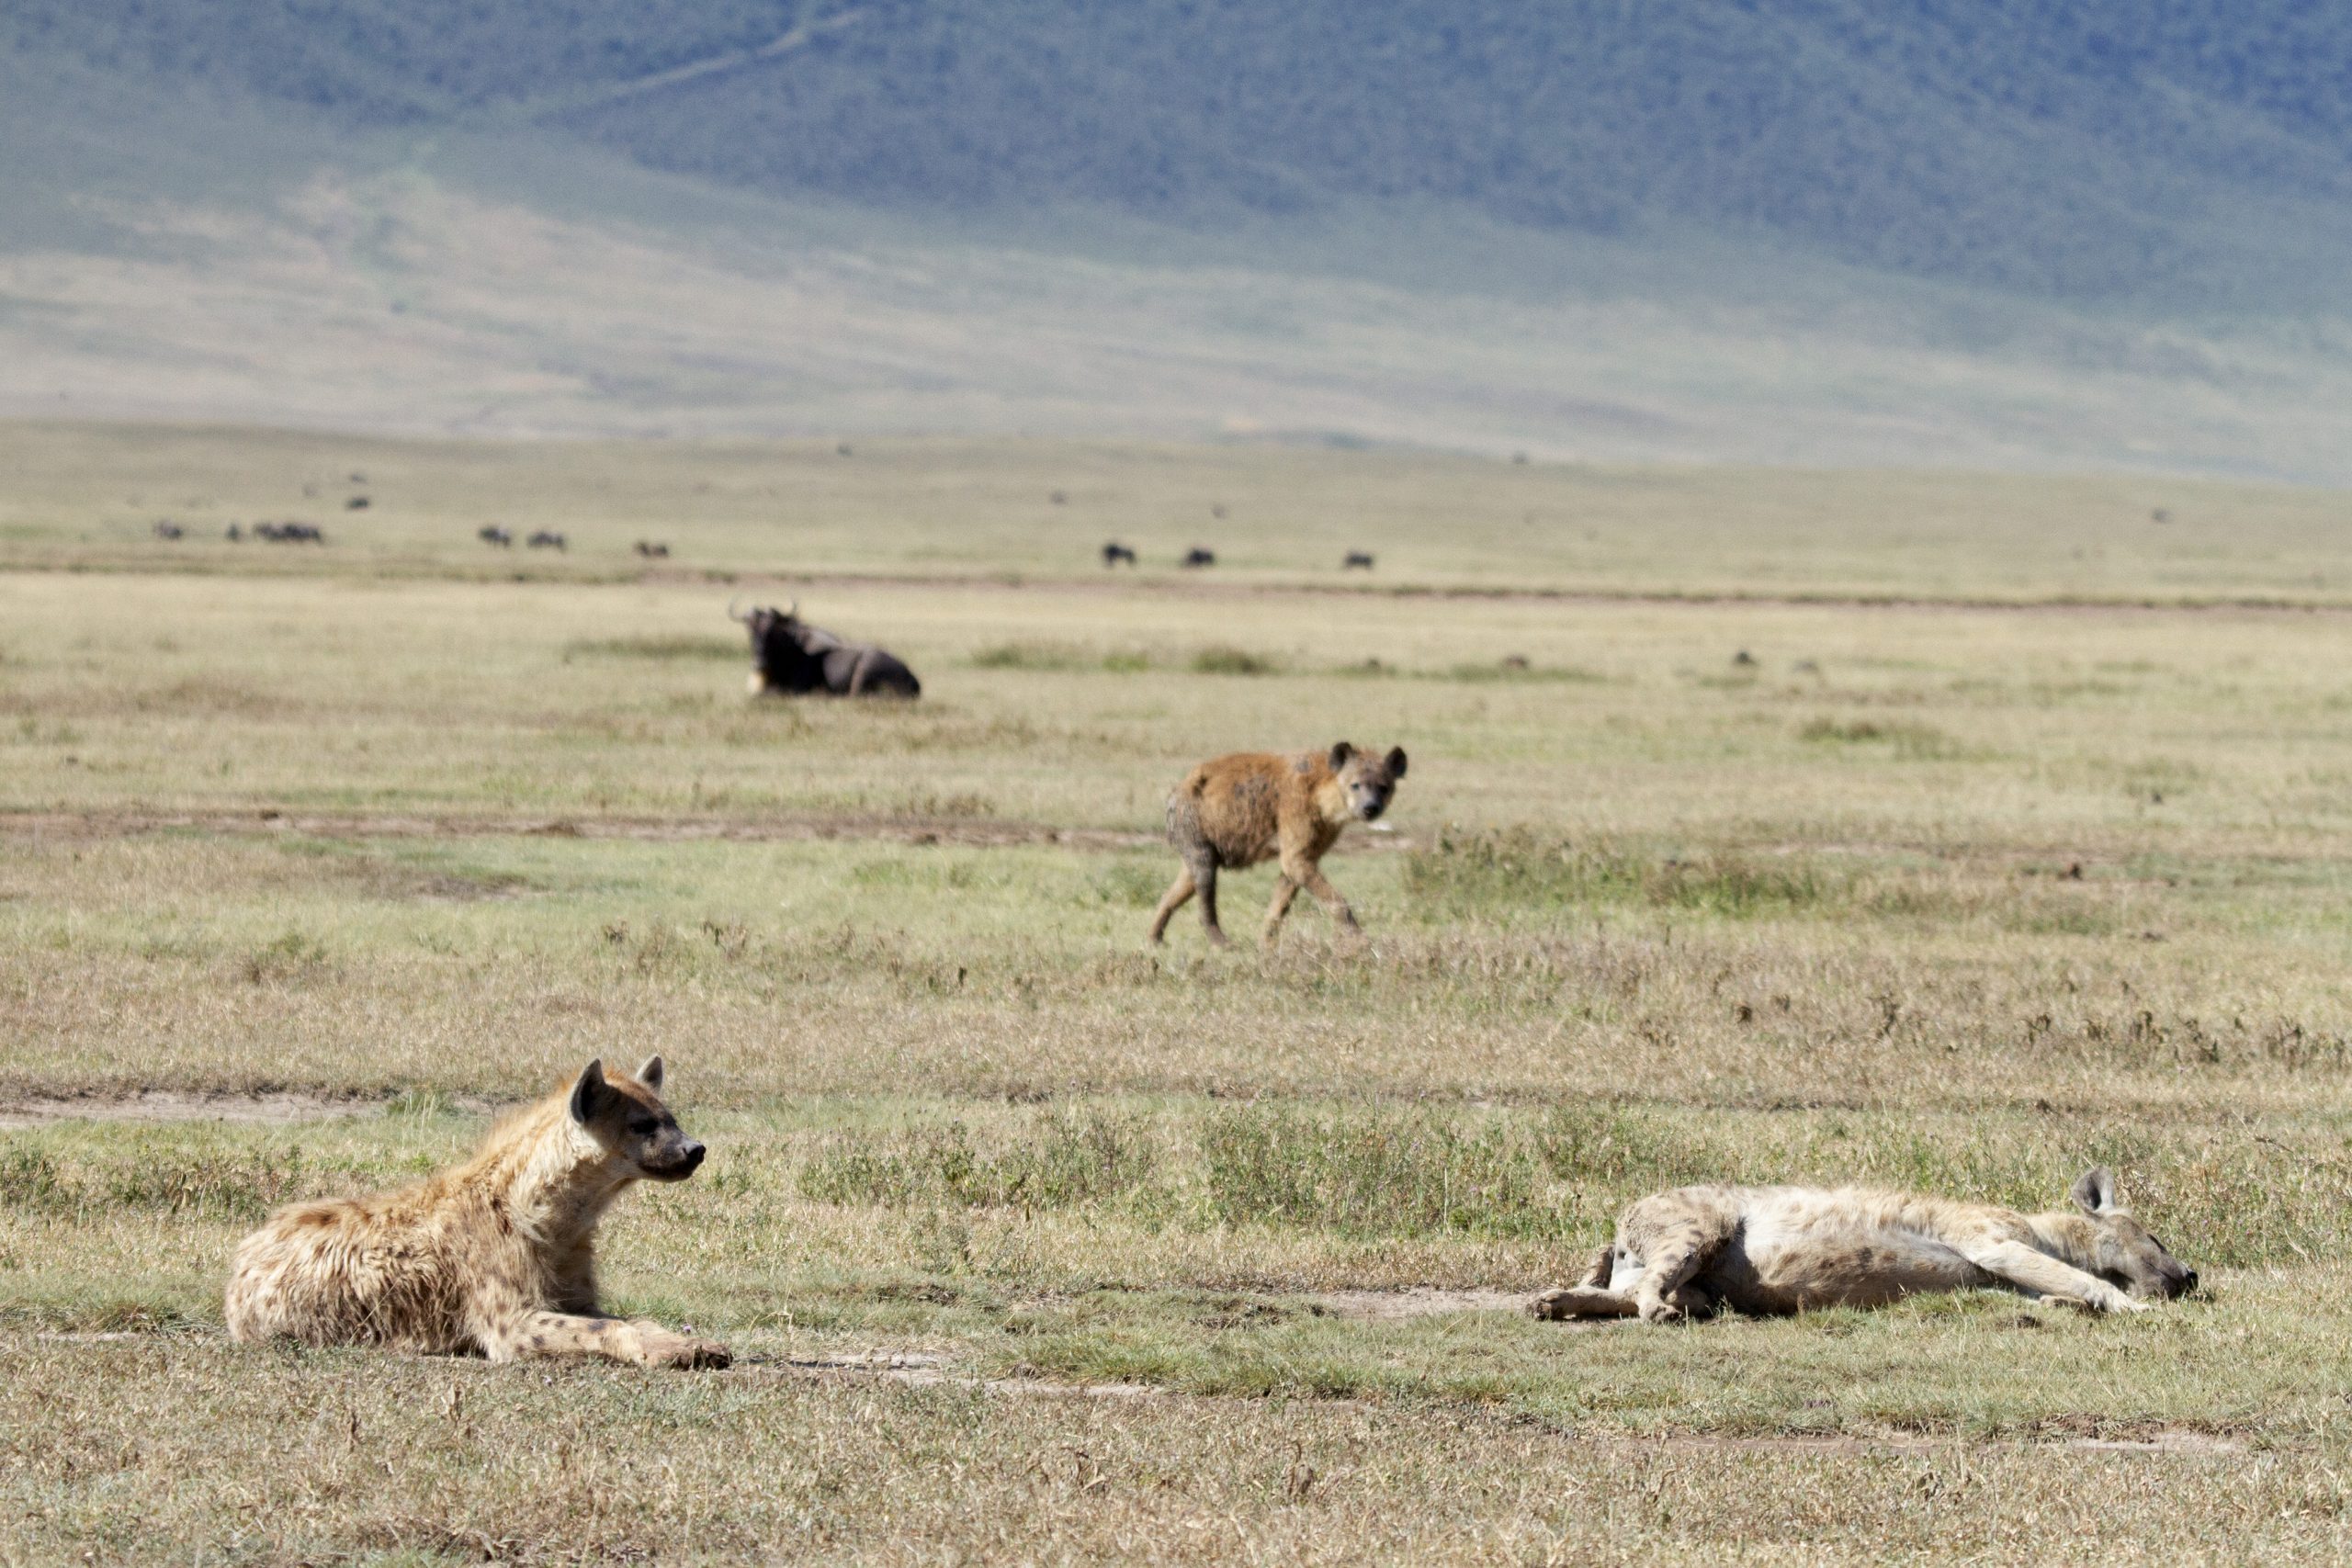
(2026,845)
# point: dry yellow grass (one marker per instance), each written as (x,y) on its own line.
(1956,898)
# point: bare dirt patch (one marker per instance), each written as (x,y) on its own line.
(1395,1306)
(918,1369)
(922,1370)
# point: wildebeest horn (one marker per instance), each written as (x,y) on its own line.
(732,616)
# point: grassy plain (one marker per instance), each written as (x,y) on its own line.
(311,858)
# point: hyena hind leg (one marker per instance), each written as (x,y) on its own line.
(1673,1262)
(1178,896)
(1204,878)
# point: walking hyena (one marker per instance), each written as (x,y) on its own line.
(494,1257)
(1772,1250)
(1235,811)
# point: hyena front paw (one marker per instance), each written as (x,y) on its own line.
(697,1355)
(1551,1306)
(663,1349)
(1659,1309)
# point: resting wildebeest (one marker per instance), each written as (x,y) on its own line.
(546,540)
(653,550)
(492,534)
(794,658)
(1116,552)
(1197,557)
(1356,558)
(167,529)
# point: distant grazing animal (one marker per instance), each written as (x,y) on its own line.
(1197,557)
(494,1257)
(234,535)
(546,540)
(356,503)
(1059,498)
(793,658)
(290,533)
(1775,1250)
(492,534)
(653,550)
(1217,511)
(1114,553)
(1357,560)
(170,530)
(1237,811)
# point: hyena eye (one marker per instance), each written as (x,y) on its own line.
(641,1125)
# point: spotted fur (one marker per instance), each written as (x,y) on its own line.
(1775,1250)
(493,1257)
(1256,806)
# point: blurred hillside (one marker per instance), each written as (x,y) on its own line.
(1789,230)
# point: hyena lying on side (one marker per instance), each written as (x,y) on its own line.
(496,1257)
(1235,811)
(1772,1250)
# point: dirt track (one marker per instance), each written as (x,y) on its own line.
(265,821)
(922,1370)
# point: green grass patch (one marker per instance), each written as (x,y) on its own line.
(1906,740)
(1220,658)
(1063,657)
(1517,869)
(659,648)
(1068,1159)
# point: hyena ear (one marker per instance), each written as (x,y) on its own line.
(1340,755)
(588,1092)
(1396,761)
(649,1075)
(2094,1193)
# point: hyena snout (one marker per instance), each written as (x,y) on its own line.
(678,1163)
(2142,1266)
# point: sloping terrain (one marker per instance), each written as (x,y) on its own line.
(2082,149)
(1795,232)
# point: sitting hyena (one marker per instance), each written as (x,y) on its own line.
(496,1257)
(1235,811)
(1771,1250)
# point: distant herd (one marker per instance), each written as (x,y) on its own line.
(1114,554)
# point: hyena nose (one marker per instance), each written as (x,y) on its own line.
(2188,1281)
(691,1157)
